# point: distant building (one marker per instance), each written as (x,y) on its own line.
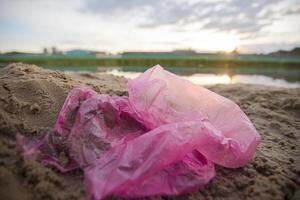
(45,50)
(99,54)
(78,52)
(102,54)
(179,52)
(55,51)
(83,53)
(185,52)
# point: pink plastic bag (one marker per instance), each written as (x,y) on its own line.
(161,140)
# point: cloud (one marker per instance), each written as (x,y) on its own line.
(293,10)
(119,25)
(229,15)
(112,6)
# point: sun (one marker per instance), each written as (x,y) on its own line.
(229,47)
(228,43)
(222,42)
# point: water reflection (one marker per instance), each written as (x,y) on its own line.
(210,79)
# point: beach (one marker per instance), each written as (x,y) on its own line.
(31,97)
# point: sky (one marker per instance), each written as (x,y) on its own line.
(251,26)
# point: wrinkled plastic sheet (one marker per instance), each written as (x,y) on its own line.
(163,139)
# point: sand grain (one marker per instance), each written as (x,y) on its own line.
(30,99)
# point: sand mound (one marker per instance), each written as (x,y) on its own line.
(31,98)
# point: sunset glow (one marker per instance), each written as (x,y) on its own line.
(117,26)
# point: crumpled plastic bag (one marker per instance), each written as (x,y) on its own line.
(161,140)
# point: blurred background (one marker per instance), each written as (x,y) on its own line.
(205,41)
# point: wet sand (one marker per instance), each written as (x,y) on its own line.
(31,97)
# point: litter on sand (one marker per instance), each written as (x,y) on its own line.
(163,139)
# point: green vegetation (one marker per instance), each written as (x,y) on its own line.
(191,61)
(273,66)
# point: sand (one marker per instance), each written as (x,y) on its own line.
(31,97)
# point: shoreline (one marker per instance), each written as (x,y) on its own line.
(31,98)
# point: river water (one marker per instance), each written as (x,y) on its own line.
(210,79)
(194,75)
